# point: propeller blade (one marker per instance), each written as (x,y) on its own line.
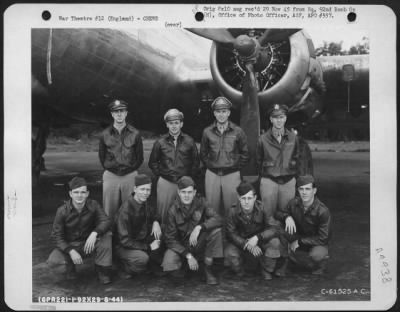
(220,35)
(250,116)
(276,35)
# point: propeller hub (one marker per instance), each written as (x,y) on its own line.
(246,47)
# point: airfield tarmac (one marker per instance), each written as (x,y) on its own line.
(343,185)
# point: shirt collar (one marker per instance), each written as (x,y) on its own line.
(171,137)
(284,134)
(228,126)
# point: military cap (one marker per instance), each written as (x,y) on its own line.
(221,103)
(244,187)
(304,180)
(173,114)
(185,182)
(142,179)
(117,104)
(76,182)
(278,109)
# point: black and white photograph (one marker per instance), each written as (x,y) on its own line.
(242,158)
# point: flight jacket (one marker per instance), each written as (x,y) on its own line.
(71,226)
(227,152)
(181,222)
(121,153)
(133,224)
(172,162)
(276,159)
(239,229)
(313,227)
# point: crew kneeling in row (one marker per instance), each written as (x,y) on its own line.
(193,233)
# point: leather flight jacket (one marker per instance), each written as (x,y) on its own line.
(182,220)
(224,153)
(172,162)
(313,227)
(71,226)
(276,159)
(240,228)
(121,153)
(133,224)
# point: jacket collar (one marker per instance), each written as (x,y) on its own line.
(183,211)
(127,127)
(257,210)
(169,137)
(286,132)
(70,206)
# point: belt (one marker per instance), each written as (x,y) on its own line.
(223,171)
(281,179)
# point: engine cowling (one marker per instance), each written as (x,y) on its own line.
(289,74)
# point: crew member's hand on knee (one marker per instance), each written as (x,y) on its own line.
(75,257)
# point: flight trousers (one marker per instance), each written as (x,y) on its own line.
(60,261)
(116,190)
(276,196)
(209,245)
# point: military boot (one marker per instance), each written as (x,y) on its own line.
(319,268)
(70,273)
(237,267)
(103,274)
(282,267)
(266,275)
(211,279)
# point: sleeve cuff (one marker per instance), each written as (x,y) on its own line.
(260,238)
(68,249)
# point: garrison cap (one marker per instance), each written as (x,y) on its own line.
(304,180)
(244,187)
(117,104)
(173,114)
(221,103)
(142,179)
(185,182)
(76,182)
(278,109)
